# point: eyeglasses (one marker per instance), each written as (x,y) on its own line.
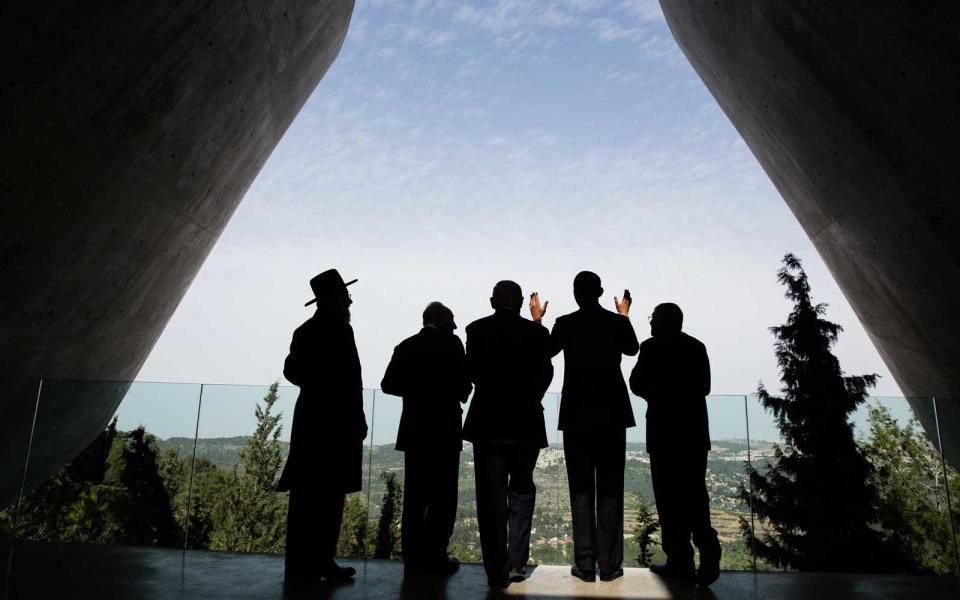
(650,319)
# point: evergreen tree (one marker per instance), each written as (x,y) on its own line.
(647,526)
(353,530)
(146,513)
(251,514)
(912,499)
(388,529)
(815,502)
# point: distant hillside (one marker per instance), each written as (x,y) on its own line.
(223,452)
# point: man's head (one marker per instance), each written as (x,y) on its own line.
(439,316)
(667,318)
(330,294)
(586,289)
(506,295)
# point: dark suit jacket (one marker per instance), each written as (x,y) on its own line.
(326,441)
(593,341)
(673,376)
(508,358)
(430,371)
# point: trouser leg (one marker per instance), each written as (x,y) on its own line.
(578,455)
(331,515)
(491,481)
(610,461)
(415,480)
(704,535)
(313,529)
(441,504)
(668,494)
(523,497)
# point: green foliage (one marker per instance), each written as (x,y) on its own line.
(912,501)
(646,527)
(354,530)
(816,501)
(388,528)
(250,515)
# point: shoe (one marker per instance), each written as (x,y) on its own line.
(709,569)
(669,571)
(517,574)
(588,575)
(335,572)
(445,566)
(611,575)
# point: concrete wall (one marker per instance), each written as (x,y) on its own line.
(851,109)
(130,132)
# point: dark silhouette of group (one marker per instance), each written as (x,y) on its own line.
(507,365)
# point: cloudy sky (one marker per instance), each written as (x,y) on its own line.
(455,143)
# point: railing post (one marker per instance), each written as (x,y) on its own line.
(753,530)
(946,486)
(373,419)
(193,464)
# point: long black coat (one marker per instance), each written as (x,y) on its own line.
(326,443)
(429,370)
(593,341)
(508,358)
(673,375)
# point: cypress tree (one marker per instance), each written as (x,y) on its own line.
(816,501)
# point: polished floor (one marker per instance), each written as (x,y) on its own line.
(77,571)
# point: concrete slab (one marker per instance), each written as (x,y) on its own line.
(97,571)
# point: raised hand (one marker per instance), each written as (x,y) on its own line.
(537,311)
(623,306)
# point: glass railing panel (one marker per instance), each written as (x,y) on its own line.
(725,472)
(548,545)
(18,404)
(243,439)
(386,465)
(914,487)
(638,492)
(947,413)
(110,463)
(730,450)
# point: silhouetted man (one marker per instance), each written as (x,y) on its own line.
(673,375)
(326,442)
(509,363)
(594,416)
(429,370)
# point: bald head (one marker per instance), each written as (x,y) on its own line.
(507,294)
(439,316)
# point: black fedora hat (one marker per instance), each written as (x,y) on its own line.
(326,284)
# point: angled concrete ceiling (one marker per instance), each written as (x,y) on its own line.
(129,135)
(851,109)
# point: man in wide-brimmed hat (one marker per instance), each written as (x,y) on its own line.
(326,443)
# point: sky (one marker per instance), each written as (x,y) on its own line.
(453,144)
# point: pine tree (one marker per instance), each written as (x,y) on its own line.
(647,526)
(250,516)
(388,529)
(815,502)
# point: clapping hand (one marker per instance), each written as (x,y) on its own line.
(623,306)
(537,311)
